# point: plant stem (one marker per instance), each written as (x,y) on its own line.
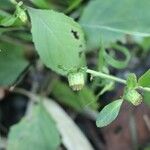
(116,79)
(105,76)
(147,89)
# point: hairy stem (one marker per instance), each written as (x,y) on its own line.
(110,77)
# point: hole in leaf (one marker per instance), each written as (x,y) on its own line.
(75,34)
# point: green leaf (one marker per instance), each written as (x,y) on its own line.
(146,98)
(111,20)
(109,113)
(144,80)
(78,101)
(61,43)
(132,81)
(12,63)
(37,132)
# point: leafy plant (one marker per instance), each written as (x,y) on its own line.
(62,44)
(109,113)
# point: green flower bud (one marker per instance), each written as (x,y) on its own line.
(76,80)
(133,96)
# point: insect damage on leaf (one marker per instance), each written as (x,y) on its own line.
(60,42)
(75,34)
